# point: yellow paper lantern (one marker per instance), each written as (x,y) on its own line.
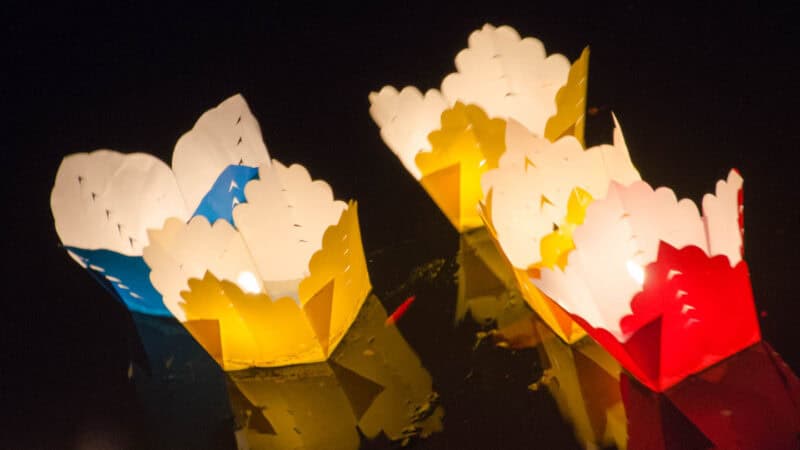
(448,138)
(255,258)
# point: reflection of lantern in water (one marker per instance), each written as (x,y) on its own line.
(373,384)
(582,378)
(749,401)
(180,388)
(662,288)
(483,282)
(268,270)
(500,77)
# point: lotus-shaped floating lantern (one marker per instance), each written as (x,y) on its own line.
(536,197)
(662,288)
(268,270)
(447,139)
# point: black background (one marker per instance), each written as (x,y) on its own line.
(697,90)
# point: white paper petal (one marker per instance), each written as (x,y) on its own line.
(225,135)
(721,214)
(520,144)
(108,200)
(654,216)
(596,284)
(519,219)
(620,232)
(533,168)
(181,251)
(406,118)
(283,221)
(508,77)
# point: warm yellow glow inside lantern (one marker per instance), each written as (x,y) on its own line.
(259,261)
(243,326)
(570,120)
(555,247)
(449,138)
(467,145)
(583,379)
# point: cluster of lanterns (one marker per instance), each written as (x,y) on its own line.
(593,248)
(265,268)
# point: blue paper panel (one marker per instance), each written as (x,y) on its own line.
(128,276)
(227,192)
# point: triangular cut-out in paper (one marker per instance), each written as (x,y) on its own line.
(318,310)
(360,391)
(444,188)
(207,334)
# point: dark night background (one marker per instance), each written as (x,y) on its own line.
(697,91)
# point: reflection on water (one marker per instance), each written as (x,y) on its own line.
(181,389)
(374,391)
(582,378)
(373,387)
(748,401)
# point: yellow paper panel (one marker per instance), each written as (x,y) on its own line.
(468,142)
(206,300)
(318,310)
(279,327)
(556,246)
(570,118)
(207,334)
(254,330)
(340,260)
(444,187)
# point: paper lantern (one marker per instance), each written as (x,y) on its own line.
(268,270)
(536,197)
(373,385)
(749,401)
(582,378)
(662,288)
(448,138)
